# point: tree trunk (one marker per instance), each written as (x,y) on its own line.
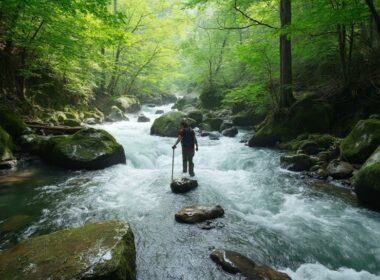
(286,75)
(375,14)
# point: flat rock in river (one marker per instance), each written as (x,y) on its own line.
(233,262)
(183,185)
(104,250)
(198,214)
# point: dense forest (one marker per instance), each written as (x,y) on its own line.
(282,95)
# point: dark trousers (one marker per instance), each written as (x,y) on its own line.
(187,157)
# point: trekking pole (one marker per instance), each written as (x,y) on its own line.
(173,165)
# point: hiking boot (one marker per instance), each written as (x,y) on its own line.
(192,174)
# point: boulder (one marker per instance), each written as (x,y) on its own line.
(143,118)
(234,262)
(159,112)
(225,125)
(309,147)
(12,123)
(6,145)
(103,250)
(90,121)
(86,149)
(71,122)
(213,135)
(196,115)
(128,104)
(189,99)
(183,185)
(299,162)
(32,143)
(362,141)
(308,115)
(168,124)
(247,118)
(367,183)
(230,132)
(339,169)
(116,115)
(198,214)
(213,123)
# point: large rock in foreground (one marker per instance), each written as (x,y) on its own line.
(362,141)
(367,181)
(103,250)
(233,262)
(167,124)
(5,145)
(183,185)
(87,149)
(198,214)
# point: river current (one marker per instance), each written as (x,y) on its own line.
(311,232)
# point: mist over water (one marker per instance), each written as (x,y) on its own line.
(272,216)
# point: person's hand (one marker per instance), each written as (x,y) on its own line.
(174,146)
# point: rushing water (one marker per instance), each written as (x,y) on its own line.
(272,215)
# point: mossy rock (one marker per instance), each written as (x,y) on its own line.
(33,143)
(196,115)
(116,115)
(367,183)
(248,118)
(214,123)
(15,223)
(72,122)
(299,162)
(362,141)
(189,99)
(101,251)
(127,103)
(6,145)
(11,123)
(167,124)
(87,149)
(60,116)
(307,115)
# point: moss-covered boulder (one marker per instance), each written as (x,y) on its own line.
(367,181)
(72,122)
(5,145)
(213,123)
(167,124)
(189,99)
(11,122)
(299,162)
(128,104)
(362,141)
(116,115)
(100,251)
(248,118)
(87,149)
(196,115)
(308,115)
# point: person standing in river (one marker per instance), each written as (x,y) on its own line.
(188,140)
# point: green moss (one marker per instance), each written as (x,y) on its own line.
(362,141)
(247,118)
(196,115)
(167,124)
(72,122)
(12,123)
(103,250)
(15,223)
(5,145)
(214,123)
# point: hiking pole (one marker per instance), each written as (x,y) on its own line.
(173,164)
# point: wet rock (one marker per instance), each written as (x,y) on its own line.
(159,112)
(362,141)
(196,115)
(87,149)
(104,250)
(183,185)
(90,121)
(208,225)
(205,133)
(309,148)
(248,118)
(6,145)
(72,122)
(214,135)
(299,162)
(142,118)
(226,125)
(168,124)
(127,103)
(198,214)
(12,123)
(15,223)
(9,164)
(116,115)
(234,262)
(230,132)
(339,169)
(213,123)
(151,105)
(367,182)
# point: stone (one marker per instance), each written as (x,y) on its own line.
(167,124)
(214,135)
(15,223)
(143,118)
(248,118)
(90,121)
(196,115)
(103,250)
(127,103)
(11,122)
(71,122)
(183,185)
(159,112)
(367,181)
(339,169)
(6,145)
(198,214)
(8,164)
(234,263)
(189,99)
(86,149)
(205,133)
(213,123)
(230,132)
(309,147)
(116,115)
(151,105)
(362,141)
(299,162)
(226,125)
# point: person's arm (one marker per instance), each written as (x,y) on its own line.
(176,142)
(196,142)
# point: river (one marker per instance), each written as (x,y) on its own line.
(272,215)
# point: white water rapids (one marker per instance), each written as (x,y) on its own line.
(272,216)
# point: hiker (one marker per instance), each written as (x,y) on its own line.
(187,138)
